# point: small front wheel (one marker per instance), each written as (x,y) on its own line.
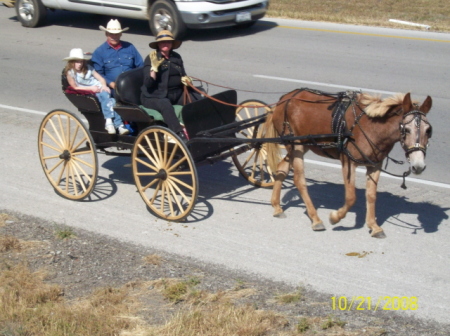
(31,13)
(68,155)
(164,173)
(252,164)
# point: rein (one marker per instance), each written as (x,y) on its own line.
(370,162)
(248,106)
(416,147)
(340,128)
(342,137)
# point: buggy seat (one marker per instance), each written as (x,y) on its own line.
(128,87)
(128,96)
(85,102)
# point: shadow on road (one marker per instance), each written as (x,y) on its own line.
(390,208)
(219,181)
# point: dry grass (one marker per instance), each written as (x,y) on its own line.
(221,319)
(435,13)
(4,218)
(8,243)
(30,306)
(153,259)
(289,297)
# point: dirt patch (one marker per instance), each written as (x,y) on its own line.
(82,261)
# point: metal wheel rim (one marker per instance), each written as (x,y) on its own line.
(163,20)
(252,165)
(67,155)
(164,173)
(26,10)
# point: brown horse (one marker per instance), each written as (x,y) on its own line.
(356,128)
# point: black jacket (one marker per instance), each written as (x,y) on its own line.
(158,88)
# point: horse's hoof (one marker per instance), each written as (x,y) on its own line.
(379,234)
(279,215)
(318,227)
(334,218)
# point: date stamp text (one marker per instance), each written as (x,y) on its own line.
(369,303)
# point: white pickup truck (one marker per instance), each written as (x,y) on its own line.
(174,15)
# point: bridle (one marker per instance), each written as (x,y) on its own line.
(418,118)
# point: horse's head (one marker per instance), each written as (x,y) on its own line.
(415,131)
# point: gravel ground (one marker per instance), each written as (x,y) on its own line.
(89,261)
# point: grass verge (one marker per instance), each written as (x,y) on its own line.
(434,13)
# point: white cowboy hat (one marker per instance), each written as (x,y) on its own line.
(76,54)
(113,27)
(165,35)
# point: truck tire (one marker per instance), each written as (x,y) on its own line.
(164,15)
(31,13)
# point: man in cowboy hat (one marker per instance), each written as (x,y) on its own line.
(115,56)
(164,76)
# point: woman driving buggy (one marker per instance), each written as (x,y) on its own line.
(164,77)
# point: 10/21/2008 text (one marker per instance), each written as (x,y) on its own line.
(369,303)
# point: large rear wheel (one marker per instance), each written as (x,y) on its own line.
(164,173)
(68,155)
(252,164)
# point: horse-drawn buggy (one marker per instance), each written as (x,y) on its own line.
(353,127)
(163,166)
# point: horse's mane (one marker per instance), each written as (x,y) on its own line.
(377,107)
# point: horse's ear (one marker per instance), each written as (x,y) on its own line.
(426,105)
(407,105)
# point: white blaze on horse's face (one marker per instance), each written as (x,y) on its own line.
(415,134)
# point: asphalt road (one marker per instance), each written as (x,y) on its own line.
(232,223)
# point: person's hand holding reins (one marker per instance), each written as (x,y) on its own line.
(186,80)
(155,61)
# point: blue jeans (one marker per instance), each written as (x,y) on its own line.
(107,103)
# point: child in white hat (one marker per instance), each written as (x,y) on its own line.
(82,76)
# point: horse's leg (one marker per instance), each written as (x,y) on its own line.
(348,173)
(280,175)
(300,182)
(372,177)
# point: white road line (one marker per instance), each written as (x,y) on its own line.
(323,84)
(22,109)
(319,163)
(362,170)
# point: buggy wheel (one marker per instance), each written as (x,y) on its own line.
(252,164)
(68,155)
(164,173)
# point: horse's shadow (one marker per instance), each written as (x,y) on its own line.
(389,207)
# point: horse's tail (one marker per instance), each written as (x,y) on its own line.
(273,149)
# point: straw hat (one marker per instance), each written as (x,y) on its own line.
(76,54)
(165,35)
(113,27)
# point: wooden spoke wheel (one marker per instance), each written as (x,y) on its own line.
(164,173)
(68,155)
(252,164)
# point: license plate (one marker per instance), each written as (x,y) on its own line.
(243,16)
